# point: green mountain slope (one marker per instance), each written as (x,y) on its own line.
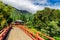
(21,15)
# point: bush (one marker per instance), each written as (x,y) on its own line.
(57,38)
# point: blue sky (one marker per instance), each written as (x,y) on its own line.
(33,5)
(47,2)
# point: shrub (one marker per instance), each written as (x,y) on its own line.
(57,38)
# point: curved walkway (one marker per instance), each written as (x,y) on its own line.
(17,34)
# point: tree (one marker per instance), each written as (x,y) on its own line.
(5,12)
(47,21)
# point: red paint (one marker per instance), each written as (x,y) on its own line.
(3,34)
(32,35)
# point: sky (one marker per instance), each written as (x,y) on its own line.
(33,5)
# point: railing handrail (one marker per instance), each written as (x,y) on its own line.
(45,35)
(5,31)
(37,37)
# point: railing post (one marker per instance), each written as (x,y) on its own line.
(51,39)
(37,36)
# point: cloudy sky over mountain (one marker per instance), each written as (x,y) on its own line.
(33,5)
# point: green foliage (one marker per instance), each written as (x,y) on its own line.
(18,15)
(5,12)
(57,38)
(47,21)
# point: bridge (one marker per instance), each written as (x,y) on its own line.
(20,32)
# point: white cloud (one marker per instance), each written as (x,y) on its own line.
(29,6)
(23,5)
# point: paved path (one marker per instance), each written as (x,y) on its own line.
(17,34)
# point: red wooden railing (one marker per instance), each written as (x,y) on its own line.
(50,38)
(26,30)
(4,32)
(32,35)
